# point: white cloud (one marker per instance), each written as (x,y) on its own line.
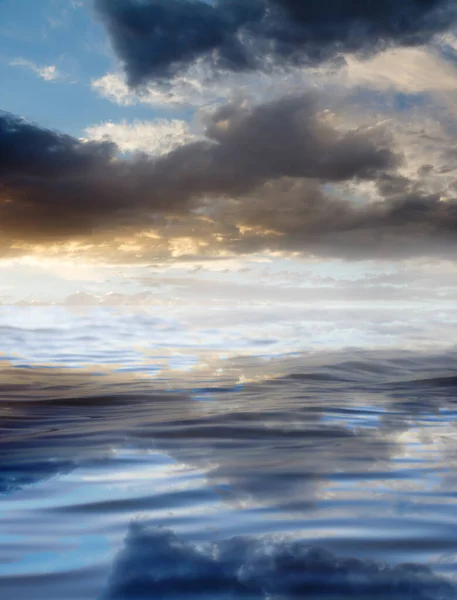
(152,137)
(410,70)
(48,73)
(196,87)
(113,87)
(181,91)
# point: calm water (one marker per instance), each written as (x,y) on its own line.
(307,454)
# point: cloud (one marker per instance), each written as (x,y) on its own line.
(157,39)
(48,73)
(402,69)
(29,150)
(48,179)
(286,176)
(151,137)
(289,138)
(55,185)
(113,87)
(404,221)
(197,86)
(394,70)
(158,563)
(372,83)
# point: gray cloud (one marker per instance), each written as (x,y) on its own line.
(155,39)
(298,216)
(49,179)
(54,185)
(266,177)
(30,150)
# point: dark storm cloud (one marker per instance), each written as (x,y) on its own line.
(156,563)
(48,180)
(33,151)
(156,39)
(258,178)
(55,186)
(288,138)
(405,222)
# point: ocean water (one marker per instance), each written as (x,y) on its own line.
(251,452)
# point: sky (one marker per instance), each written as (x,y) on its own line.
(228,151)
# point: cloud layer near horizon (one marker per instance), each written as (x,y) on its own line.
(260,177)
(57,186)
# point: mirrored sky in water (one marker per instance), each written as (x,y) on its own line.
(307,456)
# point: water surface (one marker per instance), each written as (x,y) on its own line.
(144,458)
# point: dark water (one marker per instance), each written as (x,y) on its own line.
(326,473)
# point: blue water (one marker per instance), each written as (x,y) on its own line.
(239,454)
